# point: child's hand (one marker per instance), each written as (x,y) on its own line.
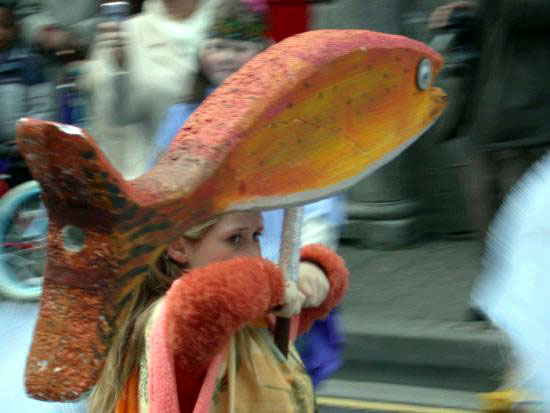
(313,283)
(294,301)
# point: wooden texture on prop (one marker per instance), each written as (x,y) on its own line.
(308,117)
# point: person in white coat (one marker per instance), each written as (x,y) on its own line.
(137,70)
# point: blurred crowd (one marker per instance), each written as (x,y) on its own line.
(38,40)
(116,68)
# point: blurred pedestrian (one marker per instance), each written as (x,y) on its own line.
(24,92)
(137,69)
(515,282)
(503,113)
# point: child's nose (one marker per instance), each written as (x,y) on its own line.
(252,250)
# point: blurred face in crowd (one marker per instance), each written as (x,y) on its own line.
(7,28)
(180,9)
(222,57)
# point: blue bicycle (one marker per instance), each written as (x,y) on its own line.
(23,231)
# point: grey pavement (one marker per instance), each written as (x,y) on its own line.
(402,395)
(426,281)
(411,306)
(408,335)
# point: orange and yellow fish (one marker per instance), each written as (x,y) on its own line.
(307,118)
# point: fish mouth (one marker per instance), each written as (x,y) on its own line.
(439,101)
(440,93)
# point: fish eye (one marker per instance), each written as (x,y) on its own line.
(424,74)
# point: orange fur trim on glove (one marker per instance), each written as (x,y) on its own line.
(337,274)
(207,305)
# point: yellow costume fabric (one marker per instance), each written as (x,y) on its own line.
(254,377)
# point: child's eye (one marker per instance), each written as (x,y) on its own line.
(234,239)
(257,235)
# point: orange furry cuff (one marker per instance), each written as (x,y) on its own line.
(337,274)
(207,305)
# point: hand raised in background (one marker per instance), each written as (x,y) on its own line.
(56,40)
(441,16)
(111,38)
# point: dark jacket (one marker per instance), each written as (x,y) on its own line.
(24,92)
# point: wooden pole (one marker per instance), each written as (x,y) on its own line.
(288,261)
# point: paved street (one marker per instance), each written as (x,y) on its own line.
(358,406)
(428,281)
(410,346)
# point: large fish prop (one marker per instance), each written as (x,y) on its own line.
(305,119)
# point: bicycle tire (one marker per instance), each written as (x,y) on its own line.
(9,205)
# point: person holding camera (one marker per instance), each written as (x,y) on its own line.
(139,67)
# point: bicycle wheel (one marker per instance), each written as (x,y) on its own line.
(23,229)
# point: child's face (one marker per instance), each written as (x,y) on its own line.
(222,57)
(234,235)
(7,28)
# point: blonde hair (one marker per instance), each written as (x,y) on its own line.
(129,341)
